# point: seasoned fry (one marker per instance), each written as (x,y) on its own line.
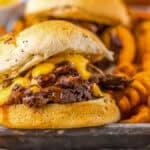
(137,93)
(142,115)
(148,101)
(127,52)
(143,43)
(122,42)
(127,70)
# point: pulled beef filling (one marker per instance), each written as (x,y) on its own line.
(110,81)
(64,85)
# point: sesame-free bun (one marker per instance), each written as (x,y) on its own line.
(39,42)
(99,11)
(82,114)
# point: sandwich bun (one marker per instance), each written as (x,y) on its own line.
(76,115)
(99,11)
(41,41)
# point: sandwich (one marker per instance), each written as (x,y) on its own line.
(94,15)
(48,80)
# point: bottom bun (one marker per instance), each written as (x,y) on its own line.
(75,115)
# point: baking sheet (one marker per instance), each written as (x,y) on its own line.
(114,136)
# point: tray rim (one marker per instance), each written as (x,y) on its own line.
(111,129)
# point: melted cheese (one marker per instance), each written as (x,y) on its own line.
(21,81)
(96,90)
(78,61)
(5,92)
(35,89)
(4,95)
(44,68)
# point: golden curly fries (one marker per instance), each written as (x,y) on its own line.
(122,42)
(136,94)
(142,115)
(143,43)
(127,52)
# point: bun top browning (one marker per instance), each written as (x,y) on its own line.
(99,11)
(37,43)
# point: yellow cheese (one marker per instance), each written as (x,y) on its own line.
(78,61)
(35,89)
(21,81)
(44,68)
(4,95)
(5,92)
(96,90)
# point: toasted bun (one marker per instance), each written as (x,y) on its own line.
(81,114)
(100,11)
(37,43)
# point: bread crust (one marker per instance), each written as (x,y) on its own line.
(75,115)
(100,11)
(39,42)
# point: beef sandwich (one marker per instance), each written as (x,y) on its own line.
(48,80)
(91,14)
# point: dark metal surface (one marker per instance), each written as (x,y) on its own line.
(110,136)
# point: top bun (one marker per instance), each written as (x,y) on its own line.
(39,42)
(99,11)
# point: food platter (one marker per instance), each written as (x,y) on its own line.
(135,136)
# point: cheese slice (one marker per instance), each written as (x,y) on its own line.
(44,68)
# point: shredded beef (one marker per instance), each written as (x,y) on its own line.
(64,85)
(35,99)
(76,95)
(69,81)
(66,69)
(46,80)
(55,77)
(110,81)
(16,95)
(52,94)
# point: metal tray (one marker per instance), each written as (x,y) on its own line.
(114,136)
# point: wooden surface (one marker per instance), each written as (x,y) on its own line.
(115,136)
